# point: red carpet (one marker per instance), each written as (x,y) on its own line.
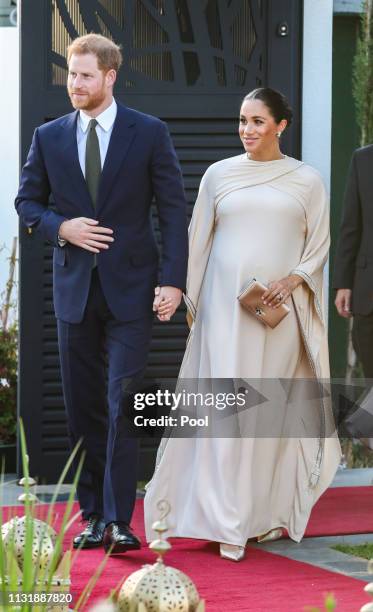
(342,511)
(263,582)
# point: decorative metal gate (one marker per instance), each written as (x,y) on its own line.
(189,62)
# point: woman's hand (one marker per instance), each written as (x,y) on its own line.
(166,301)
(279,291)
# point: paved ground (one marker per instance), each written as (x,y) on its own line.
(316,551)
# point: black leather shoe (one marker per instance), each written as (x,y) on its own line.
(119,537)
(92,535)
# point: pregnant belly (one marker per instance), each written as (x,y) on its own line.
(240,265)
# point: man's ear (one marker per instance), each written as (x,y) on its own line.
(111,77)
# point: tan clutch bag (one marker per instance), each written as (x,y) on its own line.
(251,299)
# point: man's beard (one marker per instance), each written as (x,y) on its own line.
(89,102)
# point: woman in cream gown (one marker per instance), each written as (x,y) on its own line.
(263,215)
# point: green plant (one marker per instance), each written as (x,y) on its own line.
(365,551)
(356,454)
(26,570)
(8,357)
(330,604)
(362,91)
(363,75)
(8,384)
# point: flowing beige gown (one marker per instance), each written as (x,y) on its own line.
(263,220)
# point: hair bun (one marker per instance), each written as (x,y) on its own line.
(275,101)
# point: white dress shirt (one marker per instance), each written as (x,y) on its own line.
(103,130)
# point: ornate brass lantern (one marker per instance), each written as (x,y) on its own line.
(159,588)
(14,534)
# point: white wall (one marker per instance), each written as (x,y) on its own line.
(317,85)
(317,89)
(9,142)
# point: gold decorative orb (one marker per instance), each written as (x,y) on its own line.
(44,537)
(160,589)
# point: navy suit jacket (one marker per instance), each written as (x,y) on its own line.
(140,163)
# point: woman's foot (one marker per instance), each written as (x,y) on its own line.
(271,536)
(232,552)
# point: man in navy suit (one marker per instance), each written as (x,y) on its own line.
(103,164)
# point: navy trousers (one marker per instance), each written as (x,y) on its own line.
(102,365)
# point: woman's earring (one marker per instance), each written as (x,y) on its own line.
(278,134)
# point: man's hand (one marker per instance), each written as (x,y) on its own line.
(343,303)
(166,301)
(86,234)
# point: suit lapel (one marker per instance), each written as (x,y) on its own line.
(124,131)
(69,153)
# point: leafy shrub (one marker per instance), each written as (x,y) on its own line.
(8,384)
(8,354)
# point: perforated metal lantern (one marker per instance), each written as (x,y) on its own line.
(43,540)
(159,588)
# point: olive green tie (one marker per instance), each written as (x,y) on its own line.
(92,161)
(92,167)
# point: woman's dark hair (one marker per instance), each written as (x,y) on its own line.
(275,101)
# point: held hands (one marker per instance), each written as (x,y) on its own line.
(86,234)
(166,301)
(343,302)
(279,291)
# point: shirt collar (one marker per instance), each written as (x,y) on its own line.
(105,119)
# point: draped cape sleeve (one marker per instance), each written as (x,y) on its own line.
(201,232)
(308,297)
(317,240)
